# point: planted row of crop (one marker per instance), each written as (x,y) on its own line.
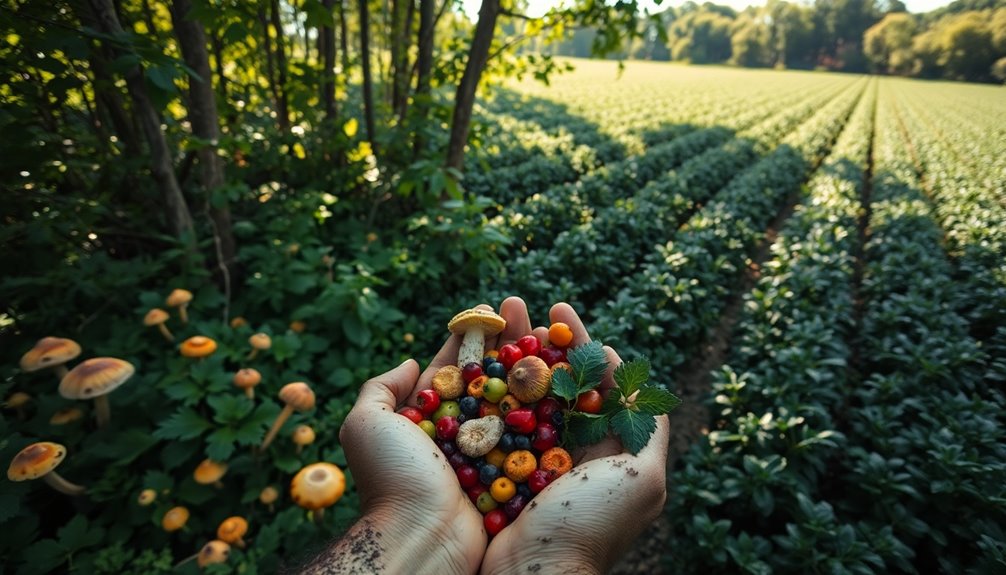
(667,307)
(750,497)
(927,428)
(619,236)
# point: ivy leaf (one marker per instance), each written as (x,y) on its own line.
(632,375)
(633,428)
(588,428)
(563,384)
(183,424)
(589,363)
(655,400)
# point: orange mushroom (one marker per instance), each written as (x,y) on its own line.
(214,552)
(17,401)
(303,435)
(198,346)
(50,352)
(175,519)
(66,415)
(40,460)
(268,496)
(210,472)
(159,317)
(246,379)
(259,342)
(180,298)
(318,486)
(94,379)
(297,396)
(232,530)
(146,497)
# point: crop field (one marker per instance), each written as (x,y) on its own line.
(816,263)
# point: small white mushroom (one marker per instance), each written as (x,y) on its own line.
(476,325)
(477,437)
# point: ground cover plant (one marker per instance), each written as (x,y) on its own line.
(814,262)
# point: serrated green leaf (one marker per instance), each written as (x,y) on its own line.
(589,363)
(230,408)
(77,534)
(655,400)
(587,428)
(43,556)
(632,375)
(220,444)
(563,384)
(633,428)
(183,424)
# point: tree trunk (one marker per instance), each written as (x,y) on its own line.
(402,68)
(368,86)
(283,108)
(326,54)
(424,67)
(160,156)
(464,100)
(343,37)
(218,57)
(205,126)
(110,99)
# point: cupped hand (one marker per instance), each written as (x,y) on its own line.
(583,521)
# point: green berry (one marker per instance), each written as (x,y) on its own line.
(447,408)
(485,503)
(429,427)
(494,389)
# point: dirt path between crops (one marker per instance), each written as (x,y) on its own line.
(690,420)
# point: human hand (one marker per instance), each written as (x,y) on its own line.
(583,521)
(415,518)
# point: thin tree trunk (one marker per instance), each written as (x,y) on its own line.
(218,57)
(283,108)
(161,169)
(368,86)
(464,100)
(424,65)
(206,126)
(326,53)
(343,37)
(270,68)
(109,98)
(404,11)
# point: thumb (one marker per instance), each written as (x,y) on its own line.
(390,389)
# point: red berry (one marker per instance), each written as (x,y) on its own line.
(474,491)
(509,355)
(471,371)
(546,407)
(428,401)
(552,355)
(412,413)
(514,506)
(589,402)
(468,476)
(456,460)
(495,521)
(538,480)
(544,437)
(521,420)
(529,345)
(447,428)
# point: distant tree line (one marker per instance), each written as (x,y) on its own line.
(965,40)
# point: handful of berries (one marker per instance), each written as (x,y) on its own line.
(495,420)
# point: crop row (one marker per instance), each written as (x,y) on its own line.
(749,496)
(666,308)
(620,235)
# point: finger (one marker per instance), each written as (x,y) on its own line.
(656,449)
(608,381)
(518,323)
(390,389)
(541,333)
(604,448)
(565,313)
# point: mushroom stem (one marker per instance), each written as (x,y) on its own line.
(240,543)
(57,482)
(60,370)
(250,392)
(299,449)
(165,332)
(183,312)
(318,515)
(472,347)
(187,560)
(280,420)
(102,411)
(253,353)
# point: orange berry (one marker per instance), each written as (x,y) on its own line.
(507,403)
(559,334)
(503,489)
(556,461)
(475,386)
(496,457)
(519,465)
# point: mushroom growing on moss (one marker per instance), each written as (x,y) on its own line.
(180,298)
(297,396)
(94,379)
(159,317)
(40,460)
(210,472)
(318,486)
(259,342)
(246,379)
(50,352)
(475,325)
(232,530)
(198,346)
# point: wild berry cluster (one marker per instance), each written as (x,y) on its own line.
(498,425)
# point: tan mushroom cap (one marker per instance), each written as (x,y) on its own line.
(247,377)
(268,495)
(490,322)
(35,461)
(297,395)
(209,471)
(303,435)
(214,552)
(232,529)
(198,346)
(49,351)
(260,341)
(178,297)
(95,377)
(156,316)
(318,486)
(175,518)
(66,415)
(17,399)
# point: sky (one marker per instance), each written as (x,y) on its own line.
(539,7)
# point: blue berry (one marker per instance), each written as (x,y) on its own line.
(448,447)
(486,362)
(469,406)
(461,418)
(506,443)
(522,442)
(496,369)
(488,473)
(524,490)
(557,420)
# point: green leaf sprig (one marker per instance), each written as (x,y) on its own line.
(631,408)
